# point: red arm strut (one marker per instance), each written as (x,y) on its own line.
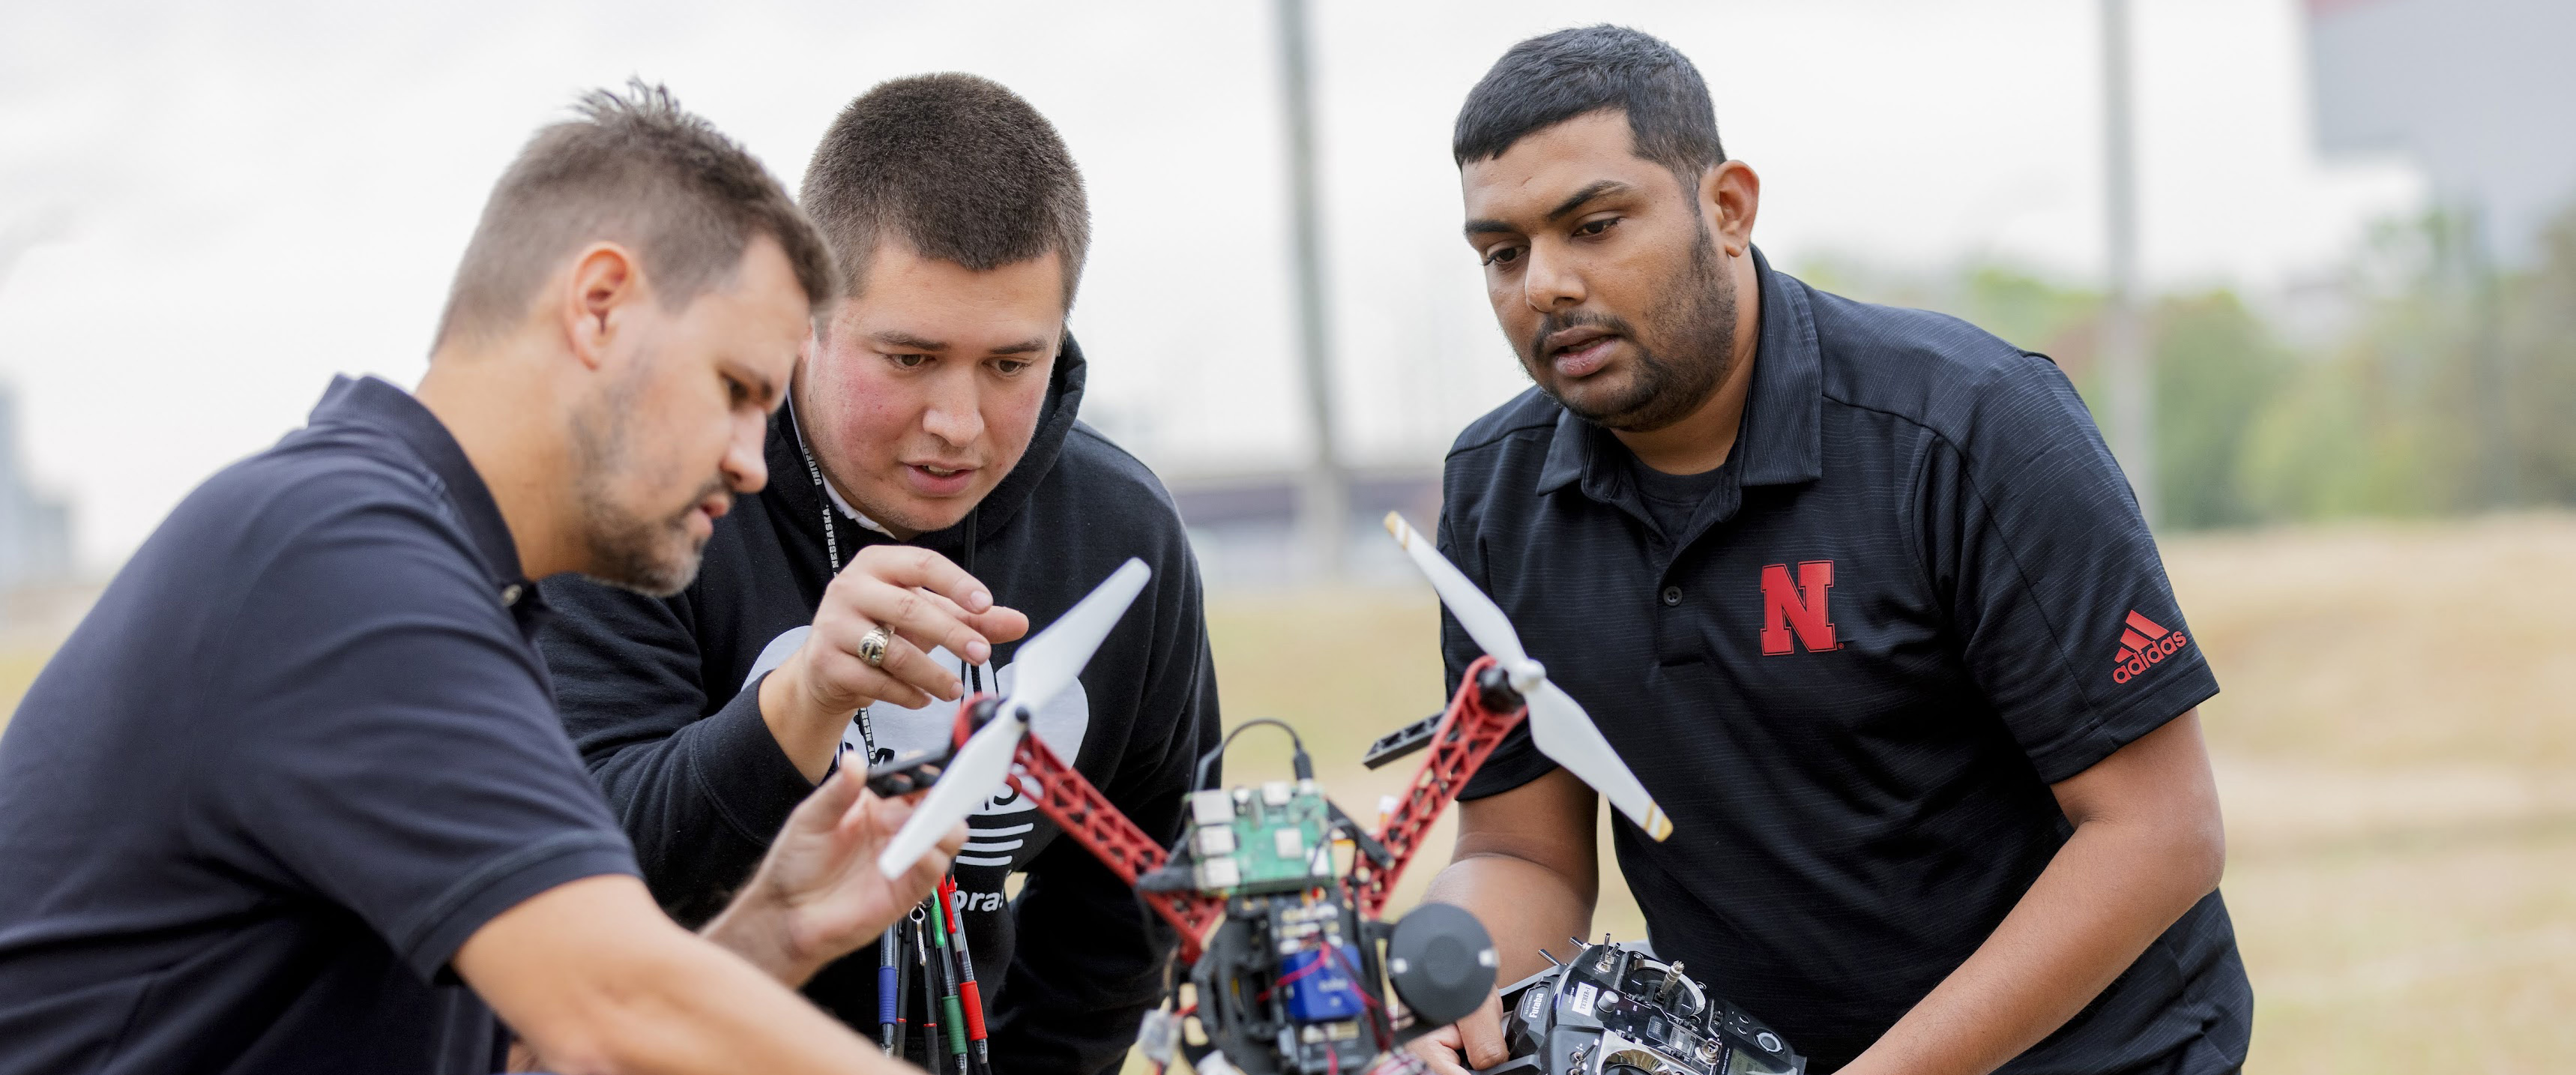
(1468,732)
(1083,813)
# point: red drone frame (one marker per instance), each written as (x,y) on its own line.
(1459,738)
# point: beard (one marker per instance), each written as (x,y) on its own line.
(653,556)
(1687,350)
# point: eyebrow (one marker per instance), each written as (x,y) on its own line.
(765,389)
(899,338)
(1599,188)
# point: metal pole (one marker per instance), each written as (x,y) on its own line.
(1324,500)
(2127,379)
(2499,479)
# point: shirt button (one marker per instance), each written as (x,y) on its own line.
(510,594)
(1672,595)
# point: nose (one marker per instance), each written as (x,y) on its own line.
(1550,283)
(746,465)
(955,414)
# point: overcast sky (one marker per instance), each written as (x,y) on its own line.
(241,203)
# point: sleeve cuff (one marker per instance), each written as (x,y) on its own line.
(2127,724)
(741,770)
(1504,772)
(505,883)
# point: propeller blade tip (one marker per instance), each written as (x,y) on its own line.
(1395,526)
(890,869)
(1657,824)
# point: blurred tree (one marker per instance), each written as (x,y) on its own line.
(2398,417)
(2334,445)
(2376,424)
(2216,366)
(2030,312)
(2539,345)
(2390,420)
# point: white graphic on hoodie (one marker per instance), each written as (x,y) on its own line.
(994,833)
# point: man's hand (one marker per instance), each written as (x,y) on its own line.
(926,601)
(817,896)
(1473,1042)
(1527,867)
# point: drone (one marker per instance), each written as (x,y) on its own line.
(1293,971)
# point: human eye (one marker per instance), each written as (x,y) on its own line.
(1502,255)
(1011,367)
(1594,228)
(908,361)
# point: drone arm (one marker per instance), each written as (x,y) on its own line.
(1062,793)
(1467,733)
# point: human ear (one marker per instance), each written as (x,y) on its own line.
(1731,196)
(604,279)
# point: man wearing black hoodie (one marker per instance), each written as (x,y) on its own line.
(934,415)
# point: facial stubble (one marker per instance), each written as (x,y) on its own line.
(1693,348)
(656,557)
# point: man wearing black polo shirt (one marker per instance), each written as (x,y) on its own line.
(1857,592)
(293,797)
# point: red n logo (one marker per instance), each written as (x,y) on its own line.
(1802,607)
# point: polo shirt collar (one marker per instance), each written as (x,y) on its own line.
(373,403)
(1781,440)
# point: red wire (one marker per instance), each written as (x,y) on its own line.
(1383,1040)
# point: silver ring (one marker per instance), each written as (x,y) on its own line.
(872,646)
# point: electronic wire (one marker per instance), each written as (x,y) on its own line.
(1302,765)
(971,997)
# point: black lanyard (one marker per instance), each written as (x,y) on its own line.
(832,550)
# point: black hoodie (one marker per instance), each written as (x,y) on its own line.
(661,697)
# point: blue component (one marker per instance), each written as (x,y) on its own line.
(1325,993)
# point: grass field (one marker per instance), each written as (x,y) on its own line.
(2396,750)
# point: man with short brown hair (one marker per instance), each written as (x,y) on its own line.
(934,417)
(293,797)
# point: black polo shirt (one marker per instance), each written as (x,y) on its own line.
(299,751)
(1917,593)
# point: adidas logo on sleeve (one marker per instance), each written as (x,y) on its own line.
(2142,645)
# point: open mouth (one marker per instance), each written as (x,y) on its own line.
(934,480)
(1578,352)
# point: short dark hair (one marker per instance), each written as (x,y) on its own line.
(1549,79)
(636,169)
(960,168)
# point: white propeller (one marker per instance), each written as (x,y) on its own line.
(1046,664)
(1563,731)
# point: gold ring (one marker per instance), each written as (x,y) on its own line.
(872,646)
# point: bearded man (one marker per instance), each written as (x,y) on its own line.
(1844,585)
(294,797)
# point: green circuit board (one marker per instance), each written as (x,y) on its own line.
(1269,838)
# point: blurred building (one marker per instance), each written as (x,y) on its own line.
(1245,526)
(2476,93)
(35,529)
